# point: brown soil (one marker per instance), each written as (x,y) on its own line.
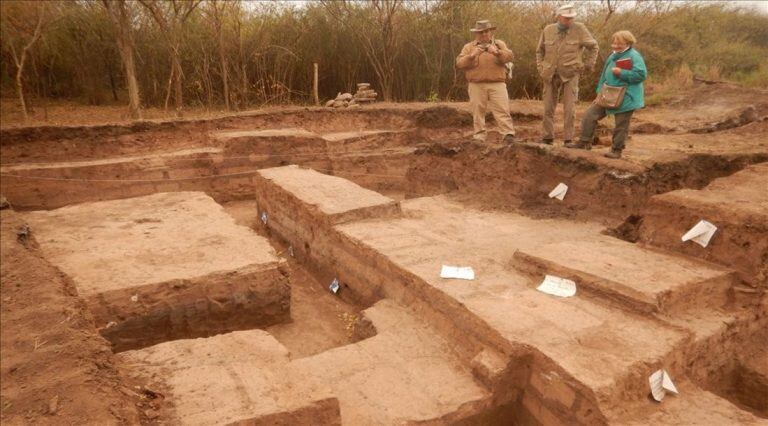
(55,366)
(380,198)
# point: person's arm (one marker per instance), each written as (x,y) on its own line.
(602,75)
(505,54)
(466,58)
(540,50)
(600,83)
(638,73)
(591,49)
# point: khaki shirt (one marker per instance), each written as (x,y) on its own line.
(486,68)
(561,52)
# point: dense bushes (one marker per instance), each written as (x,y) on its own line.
(405,49)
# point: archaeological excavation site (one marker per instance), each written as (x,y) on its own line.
(375,265)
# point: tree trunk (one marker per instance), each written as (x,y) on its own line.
(134,100)
(119,14)
(178,100)
(224,72)
(20,88)
(168,89)
(21,61)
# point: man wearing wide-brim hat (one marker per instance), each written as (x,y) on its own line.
(566,49)
(483,62)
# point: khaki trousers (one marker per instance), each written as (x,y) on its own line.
(493,96)
(550,96)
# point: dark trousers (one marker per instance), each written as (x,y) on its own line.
(596,113)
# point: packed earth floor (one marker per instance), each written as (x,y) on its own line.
(284,267)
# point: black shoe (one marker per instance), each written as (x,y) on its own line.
(613,153)
(546,141)
(579,145)
(509,139)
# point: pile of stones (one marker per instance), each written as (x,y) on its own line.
(363,95)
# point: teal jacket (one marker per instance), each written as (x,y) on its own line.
(633,79)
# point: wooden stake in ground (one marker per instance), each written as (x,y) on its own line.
(314,86)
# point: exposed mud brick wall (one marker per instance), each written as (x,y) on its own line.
(253,297)
(60,143)
(523,175)
(718,363)
(710,292)
(165,266)
(366,276)
(740,242)
(66,185)
(31,187)
(323,412)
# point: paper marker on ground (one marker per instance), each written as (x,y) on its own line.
(557,286)
(458,272)
(661,383)
(559,191)
(667,384)
(701,233)
(334,287)
(264,217)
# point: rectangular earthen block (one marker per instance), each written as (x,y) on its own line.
(299,203)
(165,266)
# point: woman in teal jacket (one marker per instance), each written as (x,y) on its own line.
(614,75)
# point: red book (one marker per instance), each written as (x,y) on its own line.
(625,64)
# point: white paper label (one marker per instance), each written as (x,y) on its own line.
(458,272)
(701,233)
(559,191)
(334,287)
(290,250)
(264,217)
(557,286)
(661,383)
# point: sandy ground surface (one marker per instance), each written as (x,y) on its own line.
(630,314)
(403,373)
(166,236)
(597,345)
(55,367)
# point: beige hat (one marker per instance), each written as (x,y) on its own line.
(566,11)
(481,26)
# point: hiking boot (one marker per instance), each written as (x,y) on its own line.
(546,141)
(509,139)
(613,153)
(579,145)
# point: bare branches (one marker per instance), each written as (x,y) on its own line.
(170,16)
(20,28)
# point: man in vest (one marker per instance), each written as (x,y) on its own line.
(559,62)
(483,62)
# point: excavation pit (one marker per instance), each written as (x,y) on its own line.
(230,318)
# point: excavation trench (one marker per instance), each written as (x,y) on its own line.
(231,236)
